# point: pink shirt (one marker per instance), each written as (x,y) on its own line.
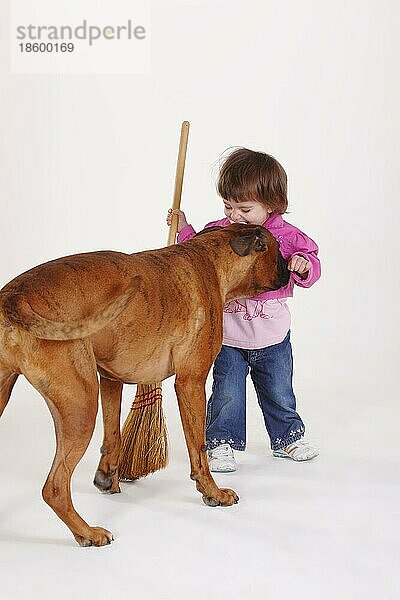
(264,320)
(254,324)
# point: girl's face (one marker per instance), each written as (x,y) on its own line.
(246,211)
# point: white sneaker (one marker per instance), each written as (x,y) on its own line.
(300,450)
(221,459)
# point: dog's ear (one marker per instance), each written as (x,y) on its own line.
(249,242)
(207,229)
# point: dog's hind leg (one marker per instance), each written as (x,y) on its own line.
(106,478)
(7,381)
(65,374)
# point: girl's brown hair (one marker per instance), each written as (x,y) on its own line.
(250,175)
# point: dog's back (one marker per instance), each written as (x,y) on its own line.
(74,296)
(59,299)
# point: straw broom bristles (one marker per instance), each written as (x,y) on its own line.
(144,447)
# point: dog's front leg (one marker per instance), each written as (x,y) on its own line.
(190,391)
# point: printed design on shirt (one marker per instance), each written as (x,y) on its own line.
(238,306)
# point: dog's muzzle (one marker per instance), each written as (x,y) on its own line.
(283,271)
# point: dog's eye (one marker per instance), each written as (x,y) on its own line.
(260,245)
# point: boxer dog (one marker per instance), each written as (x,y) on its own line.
(132,318)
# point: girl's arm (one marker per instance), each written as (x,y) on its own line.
(187,233)
(304,246)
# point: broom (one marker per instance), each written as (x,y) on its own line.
(144,447)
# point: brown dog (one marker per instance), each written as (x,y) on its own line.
(134,318)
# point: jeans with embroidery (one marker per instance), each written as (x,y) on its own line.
(271,370)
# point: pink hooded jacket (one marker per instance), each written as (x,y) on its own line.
(291,240)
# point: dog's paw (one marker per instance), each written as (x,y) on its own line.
(97,537)
(210,501)
(225,497)
(107,482)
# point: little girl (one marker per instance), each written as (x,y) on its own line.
(256,331)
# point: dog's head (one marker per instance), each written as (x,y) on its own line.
(255,263)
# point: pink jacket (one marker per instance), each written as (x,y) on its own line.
(291,240)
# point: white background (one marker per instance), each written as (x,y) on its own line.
(87,162)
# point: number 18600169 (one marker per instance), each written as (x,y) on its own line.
(47,47)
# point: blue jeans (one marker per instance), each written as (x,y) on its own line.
(271,370)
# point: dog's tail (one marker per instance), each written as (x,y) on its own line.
(17,311)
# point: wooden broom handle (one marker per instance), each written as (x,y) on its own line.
(180,167)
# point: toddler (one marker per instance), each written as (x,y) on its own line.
(256,331)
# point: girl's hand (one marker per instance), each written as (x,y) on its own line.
(182,219)
(299,265)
